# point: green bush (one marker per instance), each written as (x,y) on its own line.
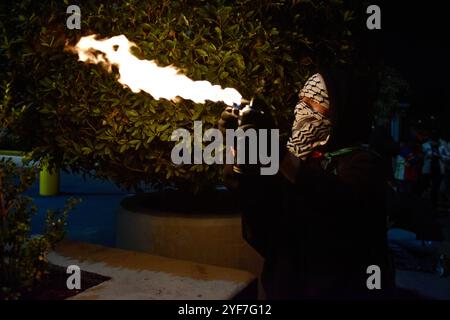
(23,258)
(10,117)
(80,117)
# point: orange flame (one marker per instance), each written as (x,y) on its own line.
(160,82)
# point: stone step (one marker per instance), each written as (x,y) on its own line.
(142,276)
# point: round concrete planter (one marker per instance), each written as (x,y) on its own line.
(208,237)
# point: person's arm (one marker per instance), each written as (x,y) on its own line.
(259,195)
(260,198)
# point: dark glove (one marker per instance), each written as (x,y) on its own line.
(229,119)
(256,117)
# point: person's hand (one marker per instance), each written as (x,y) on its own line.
(229,119)
(252,118)
(256,117)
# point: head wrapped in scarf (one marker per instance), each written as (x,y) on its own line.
(311,128)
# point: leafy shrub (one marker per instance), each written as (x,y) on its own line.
(22,257)
(10,117)
(80,117)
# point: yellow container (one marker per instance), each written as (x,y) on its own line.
(48,182)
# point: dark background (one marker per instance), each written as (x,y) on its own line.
(415,41)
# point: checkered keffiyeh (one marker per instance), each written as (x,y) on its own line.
(316,90)
(310,129)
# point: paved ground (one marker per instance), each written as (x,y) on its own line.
(141,276)
(429,284)
(426,284)
(93,220)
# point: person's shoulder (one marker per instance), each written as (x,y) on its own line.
(361,167)
(364,156)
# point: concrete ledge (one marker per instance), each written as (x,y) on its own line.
(14,156)
(143,276)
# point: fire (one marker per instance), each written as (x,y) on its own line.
(145,75)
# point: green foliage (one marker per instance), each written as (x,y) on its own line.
(394,89)
(10,119)
(22,257)
(85,121)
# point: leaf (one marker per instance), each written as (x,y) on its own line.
(186,21)
(197,113)
(86,150)
(146,26)
(201,52)
(255,68)
(99,146)
(162,128)
(123,148)
(138,145)
(150,138)
(219,32)
(223,75)
(132,113)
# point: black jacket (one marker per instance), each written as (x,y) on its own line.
(319,234)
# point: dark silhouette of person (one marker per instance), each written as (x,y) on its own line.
(320,222)
(431,168)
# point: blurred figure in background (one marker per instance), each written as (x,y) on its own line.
(399,168)
(444,153)
(431,168)
(412,165)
